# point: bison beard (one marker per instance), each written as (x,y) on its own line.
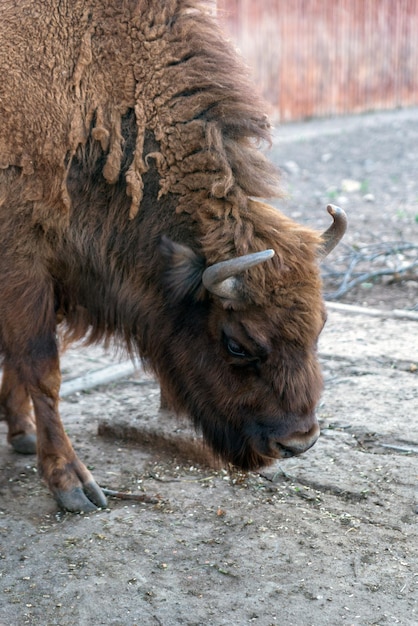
(125,186)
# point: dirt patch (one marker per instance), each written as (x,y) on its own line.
(328,538)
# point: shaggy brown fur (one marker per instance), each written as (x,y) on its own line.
(166,60)
(128,157)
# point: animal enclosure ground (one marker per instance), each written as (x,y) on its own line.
(328,538)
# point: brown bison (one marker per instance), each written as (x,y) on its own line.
(128,171)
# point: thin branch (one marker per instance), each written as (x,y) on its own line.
(138,497)
(369,263)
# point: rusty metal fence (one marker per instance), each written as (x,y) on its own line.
(328,57)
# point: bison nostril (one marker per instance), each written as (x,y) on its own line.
(285,453)
(297,443)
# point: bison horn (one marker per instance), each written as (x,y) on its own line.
(220,279)
(335,232)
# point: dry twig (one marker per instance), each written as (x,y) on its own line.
(368,263)
(138,497)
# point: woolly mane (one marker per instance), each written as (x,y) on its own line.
(168,61)
(208,118)
(192,91)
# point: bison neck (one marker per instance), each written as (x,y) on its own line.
(110,274)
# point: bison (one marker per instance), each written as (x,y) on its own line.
(129,168)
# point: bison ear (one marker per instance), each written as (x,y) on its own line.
(184,269)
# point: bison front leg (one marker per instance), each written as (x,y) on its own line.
(31,364)
(15,406)
(69,480)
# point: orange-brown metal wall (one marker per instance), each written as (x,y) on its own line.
(327,57)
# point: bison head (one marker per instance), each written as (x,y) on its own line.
(241,357)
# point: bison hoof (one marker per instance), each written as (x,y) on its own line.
(82,499)
(24,444)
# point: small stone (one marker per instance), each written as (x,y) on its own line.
(326,157)
(291,167)
(369,197)
(350,186)
(342,200)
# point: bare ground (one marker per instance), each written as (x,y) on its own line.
(328,538)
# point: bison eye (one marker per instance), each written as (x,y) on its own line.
(235,349)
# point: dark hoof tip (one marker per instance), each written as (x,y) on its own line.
(24,444)
(80,500)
